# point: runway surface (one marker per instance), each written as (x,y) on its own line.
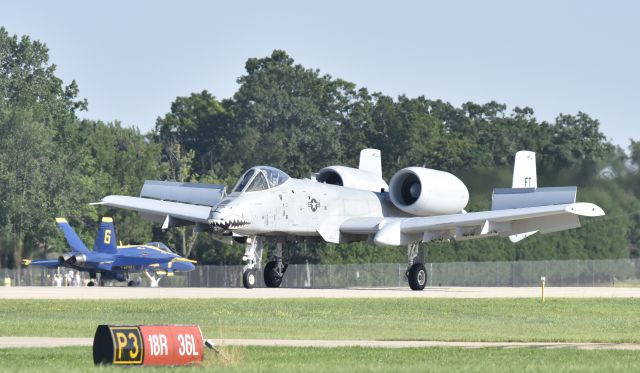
(48,342)
(35,292)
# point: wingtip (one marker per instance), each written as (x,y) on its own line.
(586,209)
(61,220)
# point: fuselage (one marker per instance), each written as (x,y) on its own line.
(299,207)
(134,258)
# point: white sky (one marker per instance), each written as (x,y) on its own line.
(131,59)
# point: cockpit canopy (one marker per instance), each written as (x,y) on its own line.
(161,246)
(260,178)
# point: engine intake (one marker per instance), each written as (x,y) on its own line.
(351,178)
(423,191)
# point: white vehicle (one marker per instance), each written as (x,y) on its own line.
(344,204)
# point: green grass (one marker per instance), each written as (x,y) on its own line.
(271,359)
(565,320)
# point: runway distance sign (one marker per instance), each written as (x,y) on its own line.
(148,345)
(172,344)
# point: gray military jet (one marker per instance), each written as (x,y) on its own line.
(343,204)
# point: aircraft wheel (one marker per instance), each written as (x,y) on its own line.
(271,277)
(249,278)
(131,283)
(91,283)
(417,276)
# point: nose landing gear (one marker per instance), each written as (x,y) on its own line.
(252,257)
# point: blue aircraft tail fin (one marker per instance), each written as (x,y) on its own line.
(106,238)
(73,240)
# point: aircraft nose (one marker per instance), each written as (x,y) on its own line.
(222,218)
(183,266)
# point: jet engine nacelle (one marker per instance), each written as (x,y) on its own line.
(351,178)
(423,191)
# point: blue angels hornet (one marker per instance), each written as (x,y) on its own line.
(115,262)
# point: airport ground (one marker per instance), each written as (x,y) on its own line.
(575,329)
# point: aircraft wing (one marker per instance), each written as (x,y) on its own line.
(170,213)
(171,203)
(506,222)
(47,263)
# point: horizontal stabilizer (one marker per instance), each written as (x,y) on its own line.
(191,193)
(47,263)
(515,198)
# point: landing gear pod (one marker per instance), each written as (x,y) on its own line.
(148,345)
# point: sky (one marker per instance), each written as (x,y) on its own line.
(131,59)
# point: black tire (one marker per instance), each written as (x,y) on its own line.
(131,283)
(417,276)
(271,277)
(249,278)
(91,283)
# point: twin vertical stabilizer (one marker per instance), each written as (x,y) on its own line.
(524,176)
(370,161)
(106,238)
(524,170)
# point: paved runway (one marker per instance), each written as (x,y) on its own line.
(48,342)
(35,292)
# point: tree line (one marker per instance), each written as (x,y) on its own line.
(52,163)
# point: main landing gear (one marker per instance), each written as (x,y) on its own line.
(273,271)
(416,272)
(92,279)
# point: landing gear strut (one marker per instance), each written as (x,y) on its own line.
(252,257)
(92,279)
(416,272)
(275,269)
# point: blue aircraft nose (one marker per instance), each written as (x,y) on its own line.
(183,266)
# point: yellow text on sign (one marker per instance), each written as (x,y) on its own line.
(128,346)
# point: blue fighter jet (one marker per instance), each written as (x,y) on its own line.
(114,262)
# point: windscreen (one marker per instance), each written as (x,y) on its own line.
(244,180)
(160,246)
(258,183)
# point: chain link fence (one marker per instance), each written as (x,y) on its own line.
(516,274)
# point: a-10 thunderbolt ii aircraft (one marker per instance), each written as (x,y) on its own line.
(115,262)
(343,204)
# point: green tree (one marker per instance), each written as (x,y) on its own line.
(28,80)
(288,116)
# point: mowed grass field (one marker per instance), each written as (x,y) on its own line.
(556,320)
(561,320)
(282,360)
